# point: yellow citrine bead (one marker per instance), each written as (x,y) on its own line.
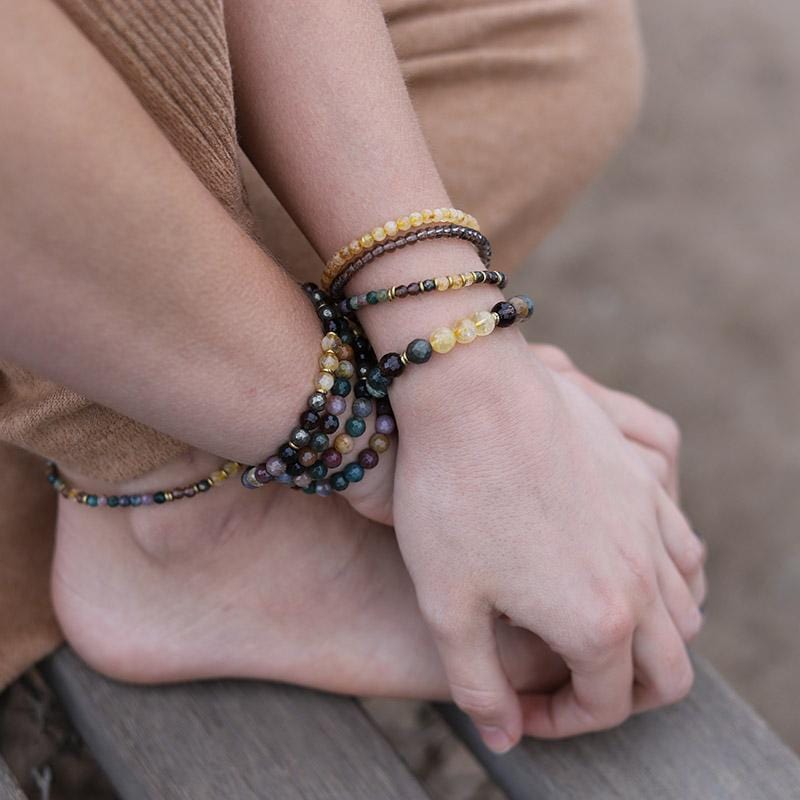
(415,219)
(403,223)
(219,476)
(443,340)
(231,467)
(324,382)
(330,341)
(484,322)
(378,234)
(390,226)
(465,331)
(442,283)
(336,261)
(343,443)
(427,215)
(354,247)
(447,214)
(438,215)
(468,278)
(344,253)
(459,216)
(457,281)
(328,362)
(367,241)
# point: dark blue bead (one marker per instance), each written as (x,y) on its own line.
(362,407)
(124,500)
(339,482)
(419,351)
(295,469)
(355,426)
(341,387)
(203,486)
(354,472)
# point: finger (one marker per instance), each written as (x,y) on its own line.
(598,696)
(657,465)
(478,684)
(664,672)
(678,599)
(684,547)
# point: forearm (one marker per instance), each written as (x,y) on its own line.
(122,276)
(325,116)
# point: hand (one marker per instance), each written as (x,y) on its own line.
(542,511)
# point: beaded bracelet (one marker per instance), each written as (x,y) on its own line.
(337,282)
(227,470)
(391,230)
(440,284)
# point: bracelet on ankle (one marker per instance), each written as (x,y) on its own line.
(227,470)
(440,284)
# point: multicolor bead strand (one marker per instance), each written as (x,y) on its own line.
(390,230)
(160,497)
(442,283)
(338,282)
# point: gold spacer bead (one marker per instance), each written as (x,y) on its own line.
(404,358)
(391,293)
(293,446)
(168,497)
(496,317)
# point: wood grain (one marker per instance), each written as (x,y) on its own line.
(712,746)
(229,739)
(9,790)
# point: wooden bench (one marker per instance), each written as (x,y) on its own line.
(237,740)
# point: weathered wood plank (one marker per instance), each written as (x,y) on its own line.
(229,739)
(9,789)
(710,747)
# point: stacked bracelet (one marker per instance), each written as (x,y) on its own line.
(440,284)
(227,470)
(337,280)
(390,230)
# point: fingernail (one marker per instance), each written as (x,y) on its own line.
(496,739)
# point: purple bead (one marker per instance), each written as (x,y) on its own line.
(336,405)
(147,499)
(190,492)
(261,475)
(385,424)
(331,458)
(324,489)
(368,458)
(275,466)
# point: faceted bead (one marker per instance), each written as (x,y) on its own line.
(275,466)
(316,402)
(361,390)
(307,457)
(400,291)
(354,247)
(319,442)
(415,219)
(379,234)
(383,295)
(339,482)
(484,322)
(367,241)
(413,289)
(520,306)
(326,313)
(391,365)
(331,458)
(345,369)
(345,352)
(379,442)
(300,437)
(442,283)
(383,406)
(328,362)
(372,298)
(428,285)
(319,470)
(377,379)
(368,458)
(506,312)
(427,215)
(362,407)
(341,387)
(355,426)
(323,489)
(302,481)
(457,282)
(331,341)
(336,404)
(418,351)
(287,453)
(385,424)
(295,469)
(354,472)
(344,443)
(443,340)
(329,423)
(324,382)
(390,226)
(447,214)
(309,420)
(465,331)
(403,223)
(261,474)
(158,497)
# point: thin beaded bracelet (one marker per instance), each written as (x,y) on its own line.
(227,470)
(391,230)
(337,283)
(440,284)
(444,339)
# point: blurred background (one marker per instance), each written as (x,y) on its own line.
(675,278)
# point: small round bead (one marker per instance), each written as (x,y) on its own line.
(302,481)
(442,283)
(383,295)
(520,306)
(379,234)
(203,486)
(319,442)
(341,387)
(345,370)
(319,470)
(326,313)
(323,489)
(344,443)
(367,241)
(336,404)
(379,442)
(368,458)
(113,501)
(324,382)
(443,340)
(465,331)
(331,341)
(419,351)
(383,406)
(390,226)
(307,457)
(403,223)
(147,499)
(300,437)
(294,470)
(361,390)
(391,365)
(372,298)
(415,219)
(427,215)
(249,480)
(316,402)
(309,420)
(331,458)
(400,291)
(354,472)
(261,474)
(377,379)
(428,285)
(328,362)
(287,453)
(329,423)
(529,303)
(506,312)
(484,322)
(362,407)
(275,466)
(354,247)
(385,424)
(339,482)
(413,289)
(158,497)
(355,426)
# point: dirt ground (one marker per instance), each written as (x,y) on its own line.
(676,278)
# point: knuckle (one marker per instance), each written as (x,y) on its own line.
(612,625)
(485,706)
(671,434)
(445,623)
(677,681)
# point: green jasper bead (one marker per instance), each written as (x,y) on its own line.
(372,298)
(355,426)
(383,295)
(91,500)
(159,497)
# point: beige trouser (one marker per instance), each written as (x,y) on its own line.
(521,100)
